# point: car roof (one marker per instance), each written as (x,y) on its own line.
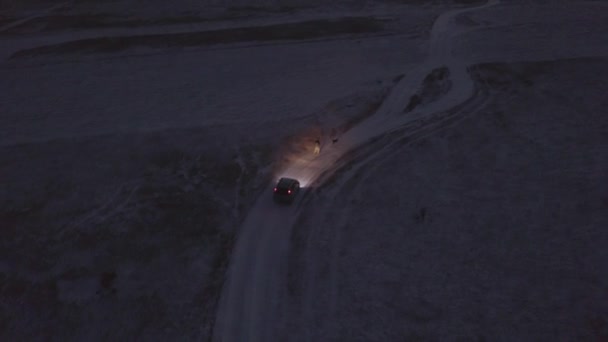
(285,182)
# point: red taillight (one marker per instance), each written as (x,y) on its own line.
(275,189)
(288,191)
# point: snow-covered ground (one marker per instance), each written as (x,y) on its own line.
(130,180)
(125,178)
(492,229)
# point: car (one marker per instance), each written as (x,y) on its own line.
(286,190)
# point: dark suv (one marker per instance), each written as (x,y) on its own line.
(286,190)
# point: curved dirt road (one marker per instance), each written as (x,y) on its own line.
(250,305)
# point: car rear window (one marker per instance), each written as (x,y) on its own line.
(284,183)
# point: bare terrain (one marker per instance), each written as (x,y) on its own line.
(465,198)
